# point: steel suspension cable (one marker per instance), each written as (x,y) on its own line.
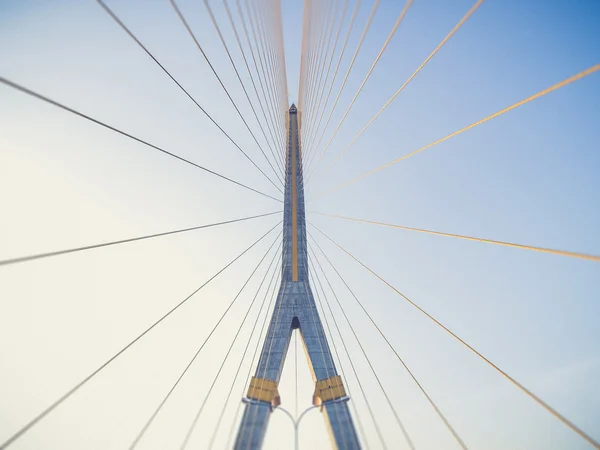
(258,26)
(302,54)
(320,106)
(195,421)
(282,52)
(130,136)
(285,250)
(301,81)
(342,372)
(264,21)
(270,64)
(267,24)
(270,27)
(256,349)
(20,259)
(335,350)
(320,64)
(257,69)
(243,53)
(75,388)
(212,68)
(260,53)
(324,345)
(278,33)
(570,254)
(233,65)
(385,44)
(335,72)
(318,54)
(274,38)
(552,88)
(239,368)
(277,44)
(306,65)
(296,371)
(337,97)
(284,70)
(385,394)
(414,74)
(530,394)
(157,410)
(307,29)
(314,30)
(143,47)
(360,385)
(408,370)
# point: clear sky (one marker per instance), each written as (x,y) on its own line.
(530,176)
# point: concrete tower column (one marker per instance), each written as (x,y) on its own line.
(295,308)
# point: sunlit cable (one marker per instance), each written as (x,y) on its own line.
(130,136)
(408,370)
(530,394)
(260,53)
(21,259)
(274,277)
(242,84)
(360,88)
(75,388)
(366,356)
(337,97)
(335,72)
(216,377)
(263,330)
(323,75)
(595,258)
(143,47)
(563,83)
(423,64)
(332,341)
(231,100)
(350,360)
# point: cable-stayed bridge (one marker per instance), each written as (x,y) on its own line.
(291,150)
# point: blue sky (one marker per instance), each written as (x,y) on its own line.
(529,176)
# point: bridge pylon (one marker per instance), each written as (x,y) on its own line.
(295,308)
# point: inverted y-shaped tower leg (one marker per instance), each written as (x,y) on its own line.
(295,308)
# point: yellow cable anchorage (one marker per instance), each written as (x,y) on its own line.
(264,390)
(331,388)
